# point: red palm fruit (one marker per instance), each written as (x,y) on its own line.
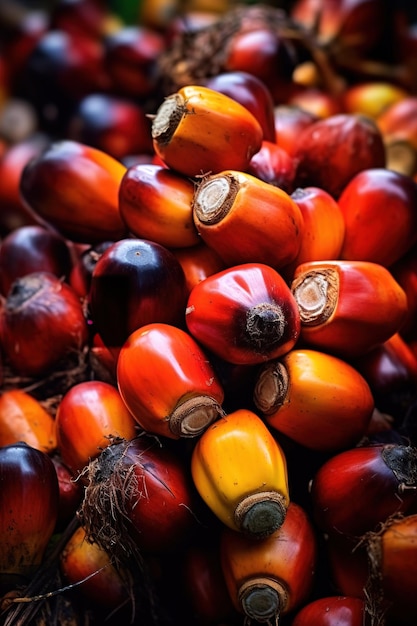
(83,266)
(12,163)
(369,234)
(391,372)
(33,248)
(316,101)
(348,564)
(28,511)
(271,577)
(82,203)
(90,416)
(332,610)
(87,566)
(117,126)
(289,121)
(273,165)
(344,143)
(139,499)
(167,382)
(34,338)
(135,282)
(205,587)
(251,92)
(71,492)
(316,399)
(405,273)
(156,204)
(246,220)
(245,314)
(351,27)
(347,307)
(383,476)
(131,54)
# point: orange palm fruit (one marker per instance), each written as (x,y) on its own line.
(240,472)
(347,307)
(245,219)
(316,399)
(393,558)
(167,382)
(155,202)
(198,131)
(23,418)
(198,262)
(75,188)
(90,415)
(323,228)
(270,577)
(245,314)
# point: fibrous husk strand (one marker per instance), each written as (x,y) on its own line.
(111,483)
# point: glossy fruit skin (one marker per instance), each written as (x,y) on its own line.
(32,335)
(370,236)
(161,372)
(344,143)
(156,203)
(206,589)
(253,221)
(251,92)
(71,492)
(289,121)
(135,282)
(32,248)
(234,458)
(332,610)
(391,372)
(212,132)
(355,26)
(349,479)
(321,401)
(287,558)
(398,121)
(29,509)
(198,262)
(23,418)
(89,416)
(405,273)
(130,56)
(323,226)
(273,165)
(366,305)
(244,314)
(83,266)
(13,210)
(81,559)
(82,204)
(116,125)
